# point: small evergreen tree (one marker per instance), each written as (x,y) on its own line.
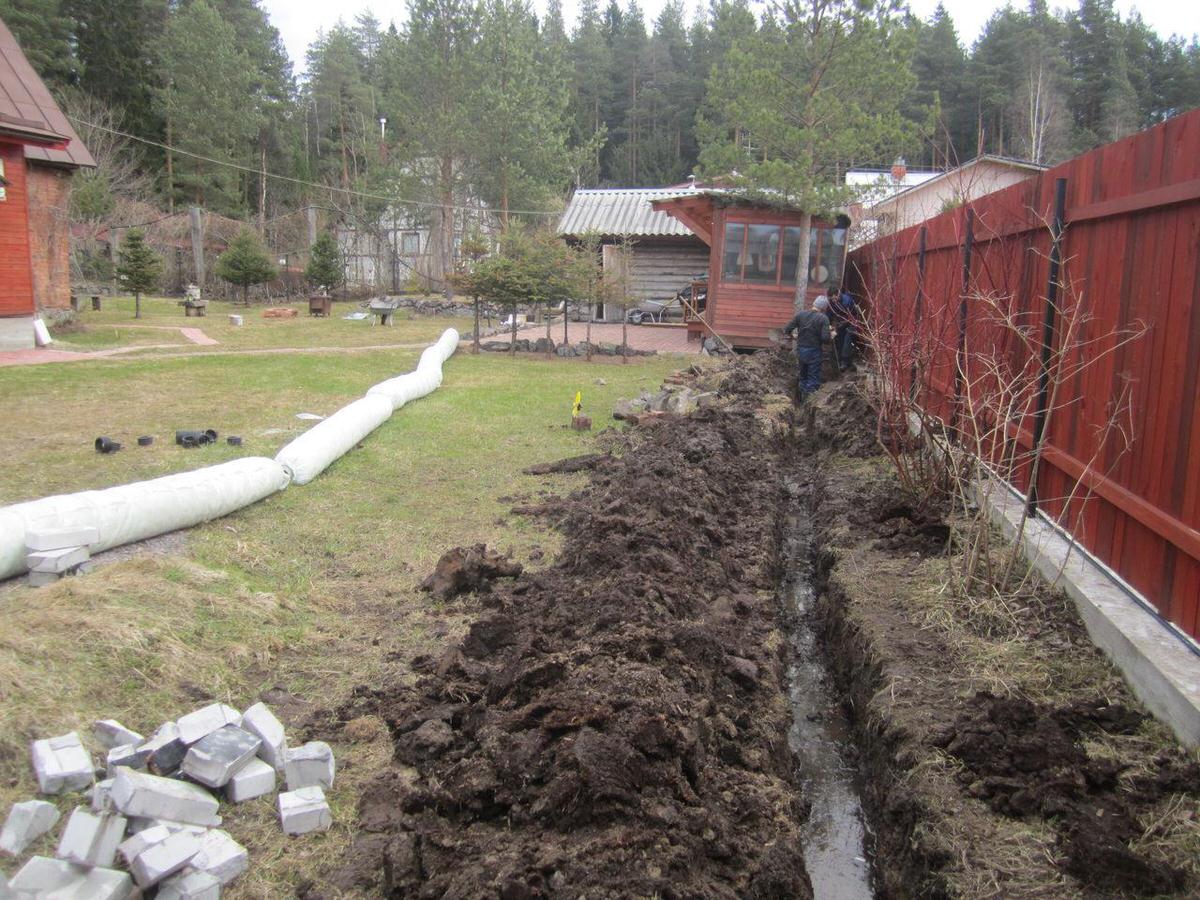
(245,263)
(138,269)
(325,269)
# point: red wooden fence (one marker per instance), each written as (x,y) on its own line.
(1131,260)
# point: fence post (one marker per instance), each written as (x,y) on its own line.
(918,309)
(197,244)
(1049,326)
(960,368)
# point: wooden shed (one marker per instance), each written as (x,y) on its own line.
(665,255)
(755,250)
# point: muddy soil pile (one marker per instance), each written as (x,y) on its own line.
(614,725)
(1054,783)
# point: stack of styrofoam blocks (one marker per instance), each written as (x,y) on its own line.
(157,810)
(52,553)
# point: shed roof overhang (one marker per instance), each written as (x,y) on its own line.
(694,210)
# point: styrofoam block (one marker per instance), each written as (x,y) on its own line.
(91,839)
(190,884)
(137,825)
(57,560)
(61,880)
(255,779)
(260,721)
(101,796)
(131,756)
(163,859)
(43,579)
(26,823)
(62,764)
(133,847)
(206,720)
(152,797)
(110,733)
(311,764)
(217,757)
(57,538)
(221,856)
(304,810)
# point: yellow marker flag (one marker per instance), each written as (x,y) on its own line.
(578,407)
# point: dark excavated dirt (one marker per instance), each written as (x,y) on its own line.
(465,569)
(614,725)
(1029,760)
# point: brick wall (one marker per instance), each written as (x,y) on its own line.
(50,235)
(16,289)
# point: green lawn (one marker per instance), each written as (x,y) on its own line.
(312,590)
(115,326)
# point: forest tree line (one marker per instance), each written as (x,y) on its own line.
(489,98)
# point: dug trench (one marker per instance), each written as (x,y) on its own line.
(617,724)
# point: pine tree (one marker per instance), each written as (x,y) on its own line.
(326,269)
(138,268)
(520,152)
(797,102)
(245,263)
(204,99)
(44,32)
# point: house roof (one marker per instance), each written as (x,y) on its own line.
(874,185)
(961,171)
(623,212)
(28,111)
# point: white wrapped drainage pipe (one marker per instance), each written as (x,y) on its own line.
(310,454)
(134,512)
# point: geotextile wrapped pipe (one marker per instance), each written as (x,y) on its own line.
(134,512)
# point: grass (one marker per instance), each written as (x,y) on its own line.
(308,593)
(114,326)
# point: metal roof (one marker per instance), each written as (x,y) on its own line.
(26,108)
(623,212)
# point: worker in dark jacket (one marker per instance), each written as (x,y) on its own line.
(812,332)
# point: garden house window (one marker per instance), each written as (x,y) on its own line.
(768,254)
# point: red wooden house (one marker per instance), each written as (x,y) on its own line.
(755,249)
(38,152)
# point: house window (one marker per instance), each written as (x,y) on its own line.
(770,254)
(410,243)
(735,236)
(762,254)
(3,183)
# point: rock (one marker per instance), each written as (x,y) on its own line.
(432,737)
(131,756)
(62,764)
(628,409)
(152,797)
(91,839)
(681,402)
(304,810)
(218,756)
(543,345)
(57,878)
(261,722)
(494,346)
(110,733)
(164,750)
(309,765)
(255,779)
(206,720)
(607,348)
(26,823)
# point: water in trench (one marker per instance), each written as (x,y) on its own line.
(835,838)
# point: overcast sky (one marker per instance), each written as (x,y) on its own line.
(299,20)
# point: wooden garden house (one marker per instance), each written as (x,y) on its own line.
(754,254)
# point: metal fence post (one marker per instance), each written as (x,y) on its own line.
(1049,327)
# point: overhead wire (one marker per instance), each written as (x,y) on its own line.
(300,181)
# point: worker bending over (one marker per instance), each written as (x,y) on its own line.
(812,332)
